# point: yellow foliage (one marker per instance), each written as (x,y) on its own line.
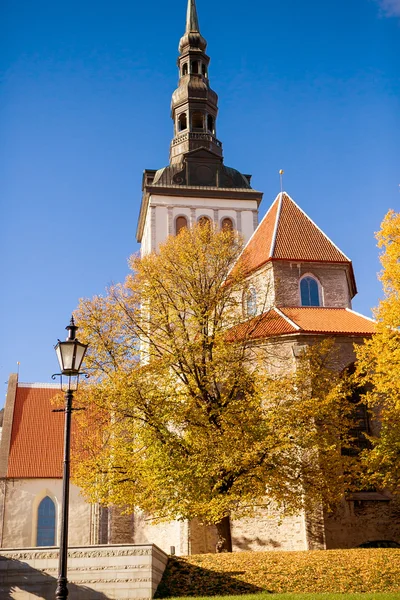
(379,366)
(198,427)
(339,571)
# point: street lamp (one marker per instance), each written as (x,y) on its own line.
(70,356)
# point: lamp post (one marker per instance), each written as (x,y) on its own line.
(70,356)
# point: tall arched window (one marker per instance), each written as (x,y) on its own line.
(204,70)
(251,302)
(182,122)
(185,69)
(210,123)
(46,523)
(309,291)
(227,224)
(180,223)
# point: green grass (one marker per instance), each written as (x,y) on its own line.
(264,596)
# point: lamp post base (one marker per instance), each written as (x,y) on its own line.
(62,589)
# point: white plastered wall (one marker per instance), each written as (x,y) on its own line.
(163,210)
(22,499)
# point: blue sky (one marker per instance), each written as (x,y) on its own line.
(311,87)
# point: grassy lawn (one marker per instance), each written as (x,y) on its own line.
(265,595)
(359,574)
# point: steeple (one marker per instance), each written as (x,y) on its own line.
(194,104)
(192,20)
(196,184)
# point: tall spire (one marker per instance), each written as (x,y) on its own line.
(194,104)
(192,20)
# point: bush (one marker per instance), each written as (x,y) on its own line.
(359,570)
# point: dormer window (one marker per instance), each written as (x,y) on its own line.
(310,294)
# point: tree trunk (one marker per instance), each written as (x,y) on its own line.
(224,543)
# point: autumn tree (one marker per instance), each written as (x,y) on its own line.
(187,417)
(379,367)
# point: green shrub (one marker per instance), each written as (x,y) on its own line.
(336,571)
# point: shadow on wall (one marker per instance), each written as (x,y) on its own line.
(183,579)
(17,577)
(245,543)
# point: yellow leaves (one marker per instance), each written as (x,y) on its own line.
(378,366)
(198,428)
(358,570)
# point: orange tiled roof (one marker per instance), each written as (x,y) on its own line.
(287,233)
(283,321)
(36,449)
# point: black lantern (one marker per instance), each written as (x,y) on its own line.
(70,353)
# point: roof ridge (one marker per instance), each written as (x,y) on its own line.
(39,385)
(254,233)
(288,319)
(315,225)
(360,315)
(278,214)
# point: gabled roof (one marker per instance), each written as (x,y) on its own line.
(36,448)
(287,233)
(314,320)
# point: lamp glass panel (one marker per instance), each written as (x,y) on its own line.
(67,351)
(80,353)
(59,357)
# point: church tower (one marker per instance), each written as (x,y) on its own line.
(196,184)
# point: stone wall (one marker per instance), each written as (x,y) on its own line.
(95,573)
(164,535)
(367,517)
(269,530)
(333,279)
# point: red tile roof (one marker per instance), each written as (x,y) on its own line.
(287,233)
(330,320)
(36,449)
(283,321)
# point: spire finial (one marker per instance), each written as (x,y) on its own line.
(192,20)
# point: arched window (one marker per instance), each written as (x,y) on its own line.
(182,122)
(204,221)
(309,291)
(195,66)
(46,523)
(210,123)
(180,223)
(185,69)
(251,302)
(227,224)
(197,120)
(204,70)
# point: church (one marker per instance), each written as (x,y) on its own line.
(310,283)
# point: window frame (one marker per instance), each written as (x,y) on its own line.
(180,216)
(319,289)
(246,301)
(46,493)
